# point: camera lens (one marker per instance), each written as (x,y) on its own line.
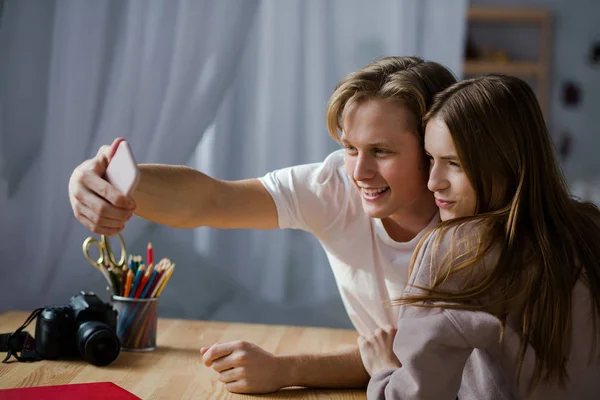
(97,343)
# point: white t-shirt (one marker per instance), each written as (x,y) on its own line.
(369,267)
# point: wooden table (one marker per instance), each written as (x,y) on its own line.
(175,369)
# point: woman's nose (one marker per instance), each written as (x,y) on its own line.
(437,180)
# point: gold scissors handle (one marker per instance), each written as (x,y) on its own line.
(105,252)
(111,255)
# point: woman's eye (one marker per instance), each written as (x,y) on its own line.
(350,149)
(454,165)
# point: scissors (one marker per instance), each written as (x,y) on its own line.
(106,256)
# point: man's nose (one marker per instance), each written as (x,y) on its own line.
(364,168)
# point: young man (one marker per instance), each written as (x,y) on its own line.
(368,205)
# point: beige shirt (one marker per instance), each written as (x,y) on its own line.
(454,353)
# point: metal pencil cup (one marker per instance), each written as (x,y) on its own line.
(136,326)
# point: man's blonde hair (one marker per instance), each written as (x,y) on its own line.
(408,81)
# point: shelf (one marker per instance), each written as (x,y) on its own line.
(510,68)
(510,18)
(500,14)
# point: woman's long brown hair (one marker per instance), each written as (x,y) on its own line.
(546,240)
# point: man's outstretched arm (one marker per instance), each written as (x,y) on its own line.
(247,368)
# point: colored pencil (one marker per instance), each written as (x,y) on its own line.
(145,277)
(168,276)
(148,284)
(150,254)
(137,279)
(128,283)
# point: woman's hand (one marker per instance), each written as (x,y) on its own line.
(377,351)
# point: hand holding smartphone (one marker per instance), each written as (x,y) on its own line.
(122,171)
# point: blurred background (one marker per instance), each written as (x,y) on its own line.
(237,88)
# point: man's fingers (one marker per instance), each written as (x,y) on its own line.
(103,221)
(104,155)
(106,191)
(100,213)
(225,363)
(99,163)
(92,173)
(95,202)
(107,152)
(237,387)
(98,229)
(217,351)
(89,176)
(231,375)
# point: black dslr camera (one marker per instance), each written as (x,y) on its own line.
(85,327)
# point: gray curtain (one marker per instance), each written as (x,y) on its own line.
(73,76)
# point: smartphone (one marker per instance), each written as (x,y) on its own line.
(122,171)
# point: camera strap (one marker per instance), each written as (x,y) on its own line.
(20,341)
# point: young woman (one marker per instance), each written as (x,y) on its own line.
(504,294)
(368,205)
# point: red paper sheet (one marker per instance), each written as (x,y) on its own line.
(78,391)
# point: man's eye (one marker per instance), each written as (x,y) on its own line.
(380,151)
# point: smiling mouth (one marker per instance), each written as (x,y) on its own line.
(373,194)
